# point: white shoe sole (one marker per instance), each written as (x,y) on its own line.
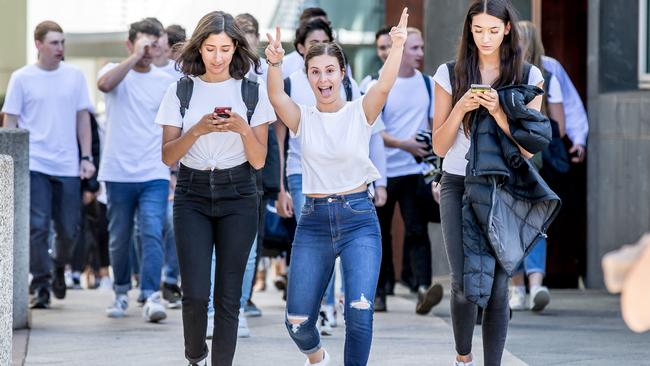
(115,314)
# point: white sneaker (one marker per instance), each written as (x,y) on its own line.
(324,362)
(153,311)
(242,327)
(210,329)
(118,308)
(105,284)
(517,298)
(67,276)
(330,314)
(324,325)
(539,298)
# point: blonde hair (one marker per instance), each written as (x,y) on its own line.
(413,30)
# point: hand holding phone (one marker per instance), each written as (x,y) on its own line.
(222,112)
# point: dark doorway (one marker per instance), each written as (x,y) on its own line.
(564,34)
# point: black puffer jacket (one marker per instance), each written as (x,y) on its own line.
(507,205)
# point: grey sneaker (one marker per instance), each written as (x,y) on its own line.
(539,298)
(118,308)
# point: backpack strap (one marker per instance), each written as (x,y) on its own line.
(250,96)
(452,75)
(347,86)
(184,88)
(427,83)
(374,76)
(287,85)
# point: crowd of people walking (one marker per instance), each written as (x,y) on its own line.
(213,164)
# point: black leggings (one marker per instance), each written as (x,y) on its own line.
(213,209)
(463,312)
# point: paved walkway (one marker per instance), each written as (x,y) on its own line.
(578,329)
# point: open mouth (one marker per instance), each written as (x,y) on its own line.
(325,92)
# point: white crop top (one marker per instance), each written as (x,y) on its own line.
(335,149)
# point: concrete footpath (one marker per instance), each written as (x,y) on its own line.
(578,328)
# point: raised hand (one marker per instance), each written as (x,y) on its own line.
(274,51)
(398,33)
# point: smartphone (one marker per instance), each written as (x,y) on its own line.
(480,88)
(222,111)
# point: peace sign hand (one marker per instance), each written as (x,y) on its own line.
(274,51)
(398,33)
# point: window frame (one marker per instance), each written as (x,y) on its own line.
(643,69)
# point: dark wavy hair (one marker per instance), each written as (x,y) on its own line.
(190,62)
(330,49)
(307,28)
(466,71)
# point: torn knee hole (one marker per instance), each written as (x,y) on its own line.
(296,321)
(361,304)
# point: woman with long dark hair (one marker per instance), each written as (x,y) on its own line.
(338,217)
(488,54)
(216,200)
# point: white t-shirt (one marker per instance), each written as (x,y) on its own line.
(455,162)
(46,103)
(335,149)
(170,69)
(554,91)
(216,150)
(292,63)
(302,94)
(132,152)
(408,109)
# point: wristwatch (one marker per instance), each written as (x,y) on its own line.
(274,64)
(87,157)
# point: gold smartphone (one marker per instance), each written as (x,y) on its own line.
(480,88)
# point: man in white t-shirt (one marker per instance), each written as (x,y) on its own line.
(136,179)
(409,108)
(50,100)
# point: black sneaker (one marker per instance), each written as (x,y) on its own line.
(389,288)
(171,292)
(40,299)
(58,283)
(428,298)
(380,304)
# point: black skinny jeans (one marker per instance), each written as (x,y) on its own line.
(416,237)
(213,209)
(464,312)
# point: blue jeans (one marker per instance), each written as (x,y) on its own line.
(337,226)
(246,285)
(170,264)
(149,200)
(58,200)
(535,261)
(295,188)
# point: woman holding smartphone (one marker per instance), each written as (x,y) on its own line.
(488,54)
(338,217)
(216,201)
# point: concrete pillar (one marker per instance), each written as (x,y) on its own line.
(13,24)
(442,31)
(15,143)
(6,256)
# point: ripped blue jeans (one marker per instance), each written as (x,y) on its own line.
(345,226)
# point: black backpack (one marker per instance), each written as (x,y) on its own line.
(347,86)
(270,174)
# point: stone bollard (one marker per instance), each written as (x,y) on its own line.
(14,142)
(6,257)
